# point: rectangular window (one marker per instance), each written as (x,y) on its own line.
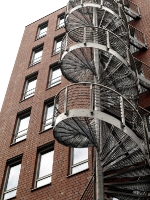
(61,21)
(30,87)
(11,180)
(36,55)
(42,29)
(79,160)
(57,45)
(55,76)
(44,168)
(22,127)
(48,116)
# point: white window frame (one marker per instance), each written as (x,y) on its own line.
(57,50)
(4,191)
(40,153)
(47,105)
(76,164)
(51,83)
(62,16)
(27,81)
(16,136)
(34,51)
(40,27)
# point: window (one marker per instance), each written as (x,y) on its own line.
(48,116)
(55,76)
(11,180)
(61,21)
(42,29)
(57,46)
(44,168)
(22,127)
(79,160)
(30,87)
(36,55)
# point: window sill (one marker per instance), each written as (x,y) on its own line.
(34,64)
(37,188)
(53,86)
(60,27)
(45,130)
(77,173)
(25,99)
(40,37)
(12,144)
(55,53)
(12,198)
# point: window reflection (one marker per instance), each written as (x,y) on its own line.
(55,77)
(45,168)
(12,182)
(48,117)
(79,159)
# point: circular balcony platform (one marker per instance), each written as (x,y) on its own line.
(122,144)
(116,64)
(109,16)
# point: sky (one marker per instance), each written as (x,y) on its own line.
(14,16)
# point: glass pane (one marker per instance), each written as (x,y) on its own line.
(23,125)
(48,124)
(29,93)
(42,31)
(38,54)
(79,154)
(58,45)
(46,164)
(10,195)
(44,181)
(13,177)
(61,22)
(49,113)
(31,85)
(80,168)
(56,77)
(21,138)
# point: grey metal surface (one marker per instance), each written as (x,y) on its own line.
(105,114)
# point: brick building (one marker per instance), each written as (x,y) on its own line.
(33,165)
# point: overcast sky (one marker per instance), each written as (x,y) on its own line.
(14,16)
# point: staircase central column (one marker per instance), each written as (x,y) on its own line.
(98,123)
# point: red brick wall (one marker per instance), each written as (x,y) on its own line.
(61,186)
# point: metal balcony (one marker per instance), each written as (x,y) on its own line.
(143,74)
(109,15)
(123,153)
(137,39)
(131,9)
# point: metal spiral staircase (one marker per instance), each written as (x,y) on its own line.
(100,108)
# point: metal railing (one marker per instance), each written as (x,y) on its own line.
(131,9)
(98,36)
(111,4)
(88,194)
(142,68)
(82,96)
(137,38)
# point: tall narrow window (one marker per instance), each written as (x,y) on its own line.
(30,87)
(79,160)
(22,127)
(42,29)
(57,46)
(55,76)
(48,115)
(61,21)
(44,168)
(37,55)
(11,180)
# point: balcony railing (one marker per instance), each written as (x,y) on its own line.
(131,9)
(137,39)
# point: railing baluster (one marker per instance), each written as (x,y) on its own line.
(66,101)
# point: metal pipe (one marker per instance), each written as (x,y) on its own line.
(98,124)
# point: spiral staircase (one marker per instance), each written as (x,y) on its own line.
(100,108)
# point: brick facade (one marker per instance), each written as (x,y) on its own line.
(62,187)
